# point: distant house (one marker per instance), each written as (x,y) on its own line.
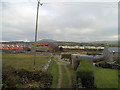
(43,47)
(111,52)
(11,47)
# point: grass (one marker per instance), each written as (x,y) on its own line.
(53,69)
(73,75)
(23,61)
(106,78)
(64,78)
(85,66)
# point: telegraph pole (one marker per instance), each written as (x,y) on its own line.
(36,33)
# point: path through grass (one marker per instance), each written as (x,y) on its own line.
(65,81)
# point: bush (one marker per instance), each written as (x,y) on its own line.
(86,78)
(107,65)
(25,79)
(67,56)
(9,79)
(85,74)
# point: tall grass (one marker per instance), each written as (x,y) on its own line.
(73,76)
(64,78)
(53,69)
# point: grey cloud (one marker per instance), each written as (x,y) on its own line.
(65,21)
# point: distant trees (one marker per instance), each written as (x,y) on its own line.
(26,49)
(61,49)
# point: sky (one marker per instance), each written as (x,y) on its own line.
(66,20)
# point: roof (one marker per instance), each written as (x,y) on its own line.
(113,49)
(82,55)
(43,44)
(98,56)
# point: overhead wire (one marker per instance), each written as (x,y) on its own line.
(89,4)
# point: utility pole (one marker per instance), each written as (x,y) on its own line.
(36,33)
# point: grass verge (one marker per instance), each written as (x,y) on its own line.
(73,76)
(64,78)
(53,69)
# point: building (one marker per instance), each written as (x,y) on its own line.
(111,53)
(82,47)
(11,47)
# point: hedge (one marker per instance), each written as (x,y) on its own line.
(85,74)
(67,56)
(12,78)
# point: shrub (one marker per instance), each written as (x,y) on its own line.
(85,74)
(107,65)
(25,79)
(86,78)
(9,79)
(67,56)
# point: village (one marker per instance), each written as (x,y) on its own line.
(66,58)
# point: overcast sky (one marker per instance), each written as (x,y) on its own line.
(66,21)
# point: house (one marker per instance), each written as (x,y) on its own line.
(111,53)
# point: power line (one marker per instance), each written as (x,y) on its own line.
(89,4)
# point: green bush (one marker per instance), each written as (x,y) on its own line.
(25,79)
(85,74)
(67,56)
(87,79)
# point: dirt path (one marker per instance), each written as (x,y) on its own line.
(69,77)
(60,77)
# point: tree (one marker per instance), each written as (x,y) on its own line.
(61,49)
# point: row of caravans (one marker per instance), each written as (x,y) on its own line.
(82,47)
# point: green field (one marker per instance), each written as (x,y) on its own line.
(23,61)
(106,78)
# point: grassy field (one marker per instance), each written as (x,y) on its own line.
(53,69)
(106,78)
(23,61)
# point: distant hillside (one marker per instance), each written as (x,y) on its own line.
(107,42)
(47,40)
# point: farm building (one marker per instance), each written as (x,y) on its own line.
(111,52)
(82,47)
(11,47)
(76,58)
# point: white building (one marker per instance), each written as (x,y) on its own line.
(111,52)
